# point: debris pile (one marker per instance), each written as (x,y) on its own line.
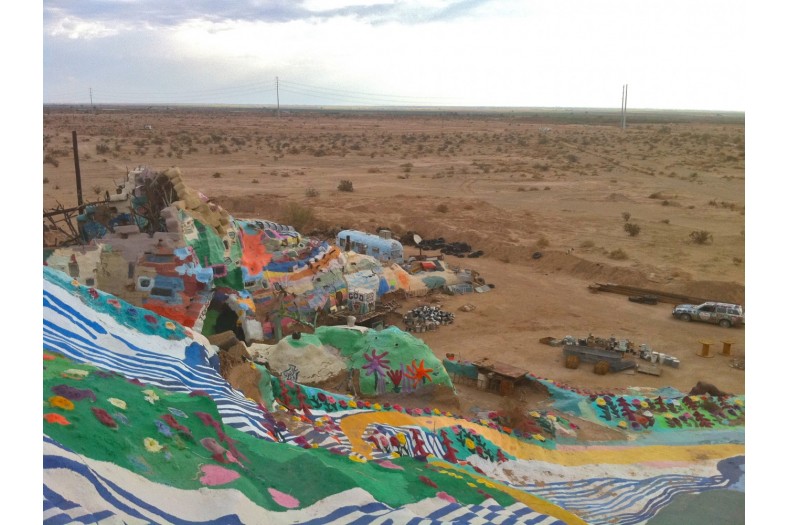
(426,318)
(458,249)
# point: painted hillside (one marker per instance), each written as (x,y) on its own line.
(140,427)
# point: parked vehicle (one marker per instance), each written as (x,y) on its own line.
(723,314)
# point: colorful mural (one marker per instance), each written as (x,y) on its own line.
(180,444)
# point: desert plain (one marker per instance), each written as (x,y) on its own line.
(560,182)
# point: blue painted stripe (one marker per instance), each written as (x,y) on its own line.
(344,511)
(53,499)
(71,314)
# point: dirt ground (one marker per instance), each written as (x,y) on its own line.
(509,184)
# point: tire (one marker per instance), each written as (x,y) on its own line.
(572,362)
(685,317)
(725,323)
(601,368)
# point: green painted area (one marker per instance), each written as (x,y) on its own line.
(433,281)
(209,323)
(265,386)
(720,507)
(304,341)
(210,250)
(389,360)
(308,474)
(463,369)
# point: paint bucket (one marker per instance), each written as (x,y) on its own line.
(351,320)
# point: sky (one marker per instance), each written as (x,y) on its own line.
(672,54)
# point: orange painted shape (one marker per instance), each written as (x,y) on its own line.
(56,418)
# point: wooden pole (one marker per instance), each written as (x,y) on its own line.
(76,168)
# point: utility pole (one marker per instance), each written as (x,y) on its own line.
(76,169)
(277,97)
(624,93)
(91,98)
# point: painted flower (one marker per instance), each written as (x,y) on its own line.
(150,396)
(61,402)
(151,445)
(117,402)
(376,364)
(56,418)
(601,402)
(418,372)
(74,373)
(169,325)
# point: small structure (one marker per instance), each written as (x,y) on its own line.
(383,249)
(499,377)
(361,301)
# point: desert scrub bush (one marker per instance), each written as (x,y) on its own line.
(618,255)
(542,242)
(700,237)
(373,170)
(298,216)
(521,188)
(626,215)
(665,221)
(442,208)
(46,180)
(102,148)
(345,185)
(587,244)
(216,175)
(255,181)
(632,229)
(311,192)
(50,159)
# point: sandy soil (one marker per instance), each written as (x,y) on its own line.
(509,184)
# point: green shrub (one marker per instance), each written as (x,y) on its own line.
(618,255)
(632,229)
(700,237)
(345,185)
(298,216)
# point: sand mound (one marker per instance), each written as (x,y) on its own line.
(307,357)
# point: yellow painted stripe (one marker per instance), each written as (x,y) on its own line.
(354,426)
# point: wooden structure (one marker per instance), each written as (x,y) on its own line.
(369,319)
(726,348)
(499,377)
(595,354)
(662,297)
(705,350)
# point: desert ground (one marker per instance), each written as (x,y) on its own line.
(511,183)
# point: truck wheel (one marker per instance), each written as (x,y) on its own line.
(572,361)
(685,317)
(725,323)
(601,368)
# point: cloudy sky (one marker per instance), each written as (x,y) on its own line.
(673,54)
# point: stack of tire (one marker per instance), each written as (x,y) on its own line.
(426,318)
